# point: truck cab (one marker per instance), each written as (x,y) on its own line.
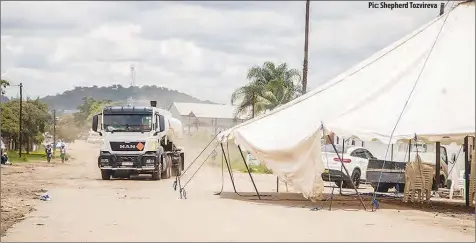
(138,140)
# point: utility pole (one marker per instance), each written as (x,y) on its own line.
(20,134)
(1,97)
(133,75)
(54,131)
(306,49)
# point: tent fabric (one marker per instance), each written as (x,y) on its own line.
(442,102)
(367,100)
(300,166)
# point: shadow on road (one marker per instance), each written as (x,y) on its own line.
(350,202)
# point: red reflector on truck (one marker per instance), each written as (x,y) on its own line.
(343,160)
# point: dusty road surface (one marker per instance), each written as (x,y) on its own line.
(85,208)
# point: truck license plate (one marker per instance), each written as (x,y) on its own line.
(126,163)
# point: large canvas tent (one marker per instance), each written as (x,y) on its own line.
(423,84)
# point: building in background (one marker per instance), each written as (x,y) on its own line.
(212,118)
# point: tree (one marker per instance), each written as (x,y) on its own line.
(88,109)
(270,86)
(66,130)
(35,120)
(81,116)
(4,84)
(248,98)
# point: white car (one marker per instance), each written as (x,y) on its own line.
(355,159)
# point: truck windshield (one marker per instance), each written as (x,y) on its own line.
(127,122)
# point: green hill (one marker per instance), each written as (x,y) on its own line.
(71,99)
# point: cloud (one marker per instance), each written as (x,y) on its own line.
(200,48)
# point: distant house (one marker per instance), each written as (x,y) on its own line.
(204,117)
(352,141)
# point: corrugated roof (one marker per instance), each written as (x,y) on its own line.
(205,110)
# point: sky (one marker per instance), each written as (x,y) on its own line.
(200,48)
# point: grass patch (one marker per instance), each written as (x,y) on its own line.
(32,157)
(259,169)
(237,161)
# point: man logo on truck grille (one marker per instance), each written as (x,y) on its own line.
(126,146)
(139,146)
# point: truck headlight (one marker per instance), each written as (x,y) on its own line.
(104,160)
(149,161)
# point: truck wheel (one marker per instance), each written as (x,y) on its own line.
(382,187)
(401,187)
(157,175)
(168,169)
(355,177)
(105,174)
(182,162)
(338,183)
(176,170)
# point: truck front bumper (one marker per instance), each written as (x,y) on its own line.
(335,175)
(143,168)
(142,162)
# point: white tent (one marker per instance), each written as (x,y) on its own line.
(434,66)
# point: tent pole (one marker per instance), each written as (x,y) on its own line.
(347,172)
(228,167)
(342,165)
(249,173)
(467,170)
(438,166)
(222,181)
(277,184)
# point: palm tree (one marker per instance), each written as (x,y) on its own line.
(270,87)
(249,97)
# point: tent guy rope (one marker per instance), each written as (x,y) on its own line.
(409,96)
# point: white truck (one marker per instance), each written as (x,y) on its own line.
(138,140)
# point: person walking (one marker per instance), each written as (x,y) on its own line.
(214,157)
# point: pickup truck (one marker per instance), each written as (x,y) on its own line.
(392,173)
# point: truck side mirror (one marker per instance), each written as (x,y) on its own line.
(161,123)
(95,123)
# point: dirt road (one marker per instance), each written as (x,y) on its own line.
(85,208)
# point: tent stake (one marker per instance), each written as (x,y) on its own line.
(347,172)
(249,173)
(342,165)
